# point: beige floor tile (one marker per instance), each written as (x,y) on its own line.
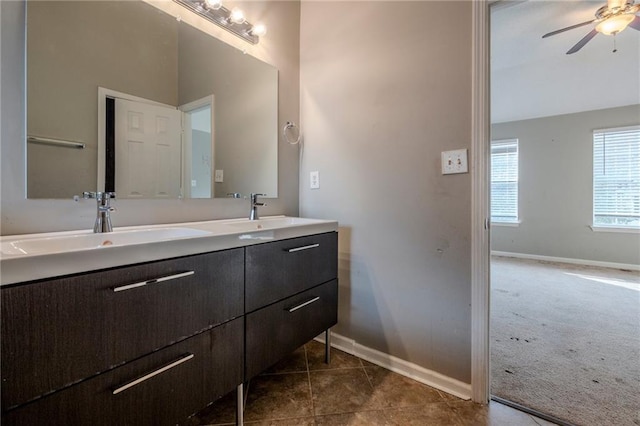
(278,396)
(342,391)
(362,418)
(399,391)
(339,359)
(438,413)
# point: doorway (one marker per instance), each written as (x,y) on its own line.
(564,289)
(199,174)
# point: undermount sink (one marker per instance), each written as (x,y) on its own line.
(77,242)
(270,223)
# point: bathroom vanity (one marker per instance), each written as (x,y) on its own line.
(151,342)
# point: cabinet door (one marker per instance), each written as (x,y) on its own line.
(57,332)
(275,331)
(283,268)
(164,388)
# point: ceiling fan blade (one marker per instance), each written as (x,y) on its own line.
(635,24)
(552,33)
(579,45)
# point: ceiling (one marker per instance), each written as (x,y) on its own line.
(533,77)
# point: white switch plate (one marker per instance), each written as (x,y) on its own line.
(219,176)
(454,162)
(314,180)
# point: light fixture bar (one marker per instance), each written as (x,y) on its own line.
(220,17)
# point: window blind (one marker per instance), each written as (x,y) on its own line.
(504,181)
(616,177)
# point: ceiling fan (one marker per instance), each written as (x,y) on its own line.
(610,19)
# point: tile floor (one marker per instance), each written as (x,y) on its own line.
(302,390)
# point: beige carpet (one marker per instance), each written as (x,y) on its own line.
(566,340)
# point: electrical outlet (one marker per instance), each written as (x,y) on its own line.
(454,162)
(219,176)
(314,180)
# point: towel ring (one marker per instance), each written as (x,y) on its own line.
(288,126)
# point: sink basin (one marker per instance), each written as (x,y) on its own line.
(59,244)
(270,223)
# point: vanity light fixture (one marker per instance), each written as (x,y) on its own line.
(259,29)
(233,20)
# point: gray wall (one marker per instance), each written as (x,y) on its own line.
(556,188)
(280,48)
(379,103)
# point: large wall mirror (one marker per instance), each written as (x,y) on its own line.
(122,96)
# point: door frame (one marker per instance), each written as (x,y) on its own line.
(480,216)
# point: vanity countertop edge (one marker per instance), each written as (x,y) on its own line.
(21,269)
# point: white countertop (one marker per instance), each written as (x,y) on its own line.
(36,256)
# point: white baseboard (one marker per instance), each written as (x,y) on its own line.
(628,266)
(400,366)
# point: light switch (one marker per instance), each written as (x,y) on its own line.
(454,162)
(314,180)
(219,176)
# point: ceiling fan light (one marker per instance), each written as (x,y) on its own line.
(615,24)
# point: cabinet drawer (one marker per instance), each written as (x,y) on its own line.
(279,269)
(275,331)
(196,372)
(58,332)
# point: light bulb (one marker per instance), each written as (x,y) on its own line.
(213,4)
(615,24)
(237,16)
(259,29)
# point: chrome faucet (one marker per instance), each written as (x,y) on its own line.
(103,219)
(253,215)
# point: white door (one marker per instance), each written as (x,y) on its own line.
(148,154)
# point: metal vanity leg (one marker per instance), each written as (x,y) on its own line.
(327,346)
(240,405)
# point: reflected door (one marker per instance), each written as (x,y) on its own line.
(147,150)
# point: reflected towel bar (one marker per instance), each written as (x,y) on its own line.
(55,142)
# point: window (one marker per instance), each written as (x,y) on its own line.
(616,177)
(504,181)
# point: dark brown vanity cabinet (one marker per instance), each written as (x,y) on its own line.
(60,332)
(162,388)
(281,269)
(279,329)
(152,343)
(291,292)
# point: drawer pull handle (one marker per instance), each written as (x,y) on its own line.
(153,373)
(302,305)
(154,281)
(303,248)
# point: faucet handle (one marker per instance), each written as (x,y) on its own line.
(98,195)
(254,199)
